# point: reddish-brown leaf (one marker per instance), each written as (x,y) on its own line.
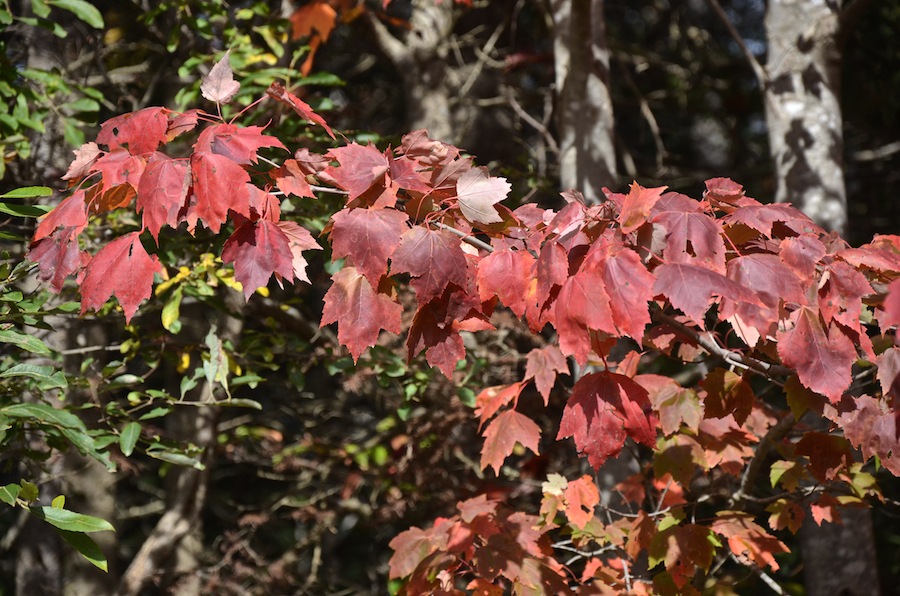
(258,249)
(118,167)
(873,428)
(411,547)
(643,529)
(876,259)
(360,311)
(747,539)
(502,434)
(821,355)
(678,455)
(889,373)
(762,218)
(827,454)
(368,237)
(70,213)
(785,514)
(57,256)
(542,365)
(434,331)
(771,280)
(638,205)
(506,274)
(692,289)
(723,190)
(478,192)
(142,131)
(123,268)
(603,410)
(219,85)
(291,179)
(162,192)
(826,509)
(181,123)
(85,156)
(552,269)
(727,393)
(277,91)
(239,144)
(434,258)
(219,185)
(681,548)
(299,239)
(581,498)
(416,145)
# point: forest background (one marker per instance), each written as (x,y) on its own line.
(304,494)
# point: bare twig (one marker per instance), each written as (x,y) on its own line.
(775,434)
(762,575)
(661,152)
(467,238)
(758,70)
(541,128)
(483,57)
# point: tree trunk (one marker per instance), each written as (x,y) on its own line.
(584,111)
(803,111)
(840,560)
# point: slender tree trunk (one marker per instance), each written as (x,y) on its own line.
(584,110)
(803,110)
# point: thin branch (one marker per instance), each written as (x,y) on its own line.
(541,128)
(392,47)
(758,70)
(483,56)
(661,152)
(334,191)
(762,575)
(758,366)
(467,238)
(775,434)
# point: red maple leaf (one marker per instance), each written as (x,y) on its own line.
(123,268)
(877,259)
(368,237)
(291,179)
(727,393)
(180,123)
(630,288)
(70,213)
(360,311)
(552,269)
(826,509)
(502,434)
(821,354)
(219,85)
(872,427)
(507,275)
(841,290)
(239,144)
(407,174)
(433,330)
(162,192)
(219,185)
(582,305)
(117,168)
(492,399)
(542,365)
(692,236)
(258,249)
(477,192)
(801,254)
(771,280)
(277,91)
(638,204)
(434,258)
(57,257)
(827,454)
(143,131)
(361,167)
(299,239)
(416,145)
(763,218)
(603,410)
(889,373)
(693,289)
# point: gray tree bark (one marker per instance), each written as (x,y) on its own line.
(584,112)
(803,109)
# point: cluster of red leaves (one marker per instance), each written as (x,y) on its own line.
(760,287)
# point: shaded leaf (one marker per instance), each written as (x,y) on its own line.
(71,521)
(368,237)
(502,434)
(85,545)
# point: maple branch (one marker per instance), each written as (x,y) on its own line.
(762,575)
(760,367)
(467,238)
(775,434)
(541,128)
(758,70)
(483,56)
(334,191)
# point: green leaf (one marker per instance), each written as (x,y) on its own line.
(40,8)
(23,210)
(87,446)
(45,375)
(71,521)
(83,10)
(9,493)
(129,438)
(44,413)
(29,491)
(29,192)
(155,413)
(26,342)
(5,17)
(177,458)
(86,546)
(240,403)
(72,135)
(84,104)
(59,502)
